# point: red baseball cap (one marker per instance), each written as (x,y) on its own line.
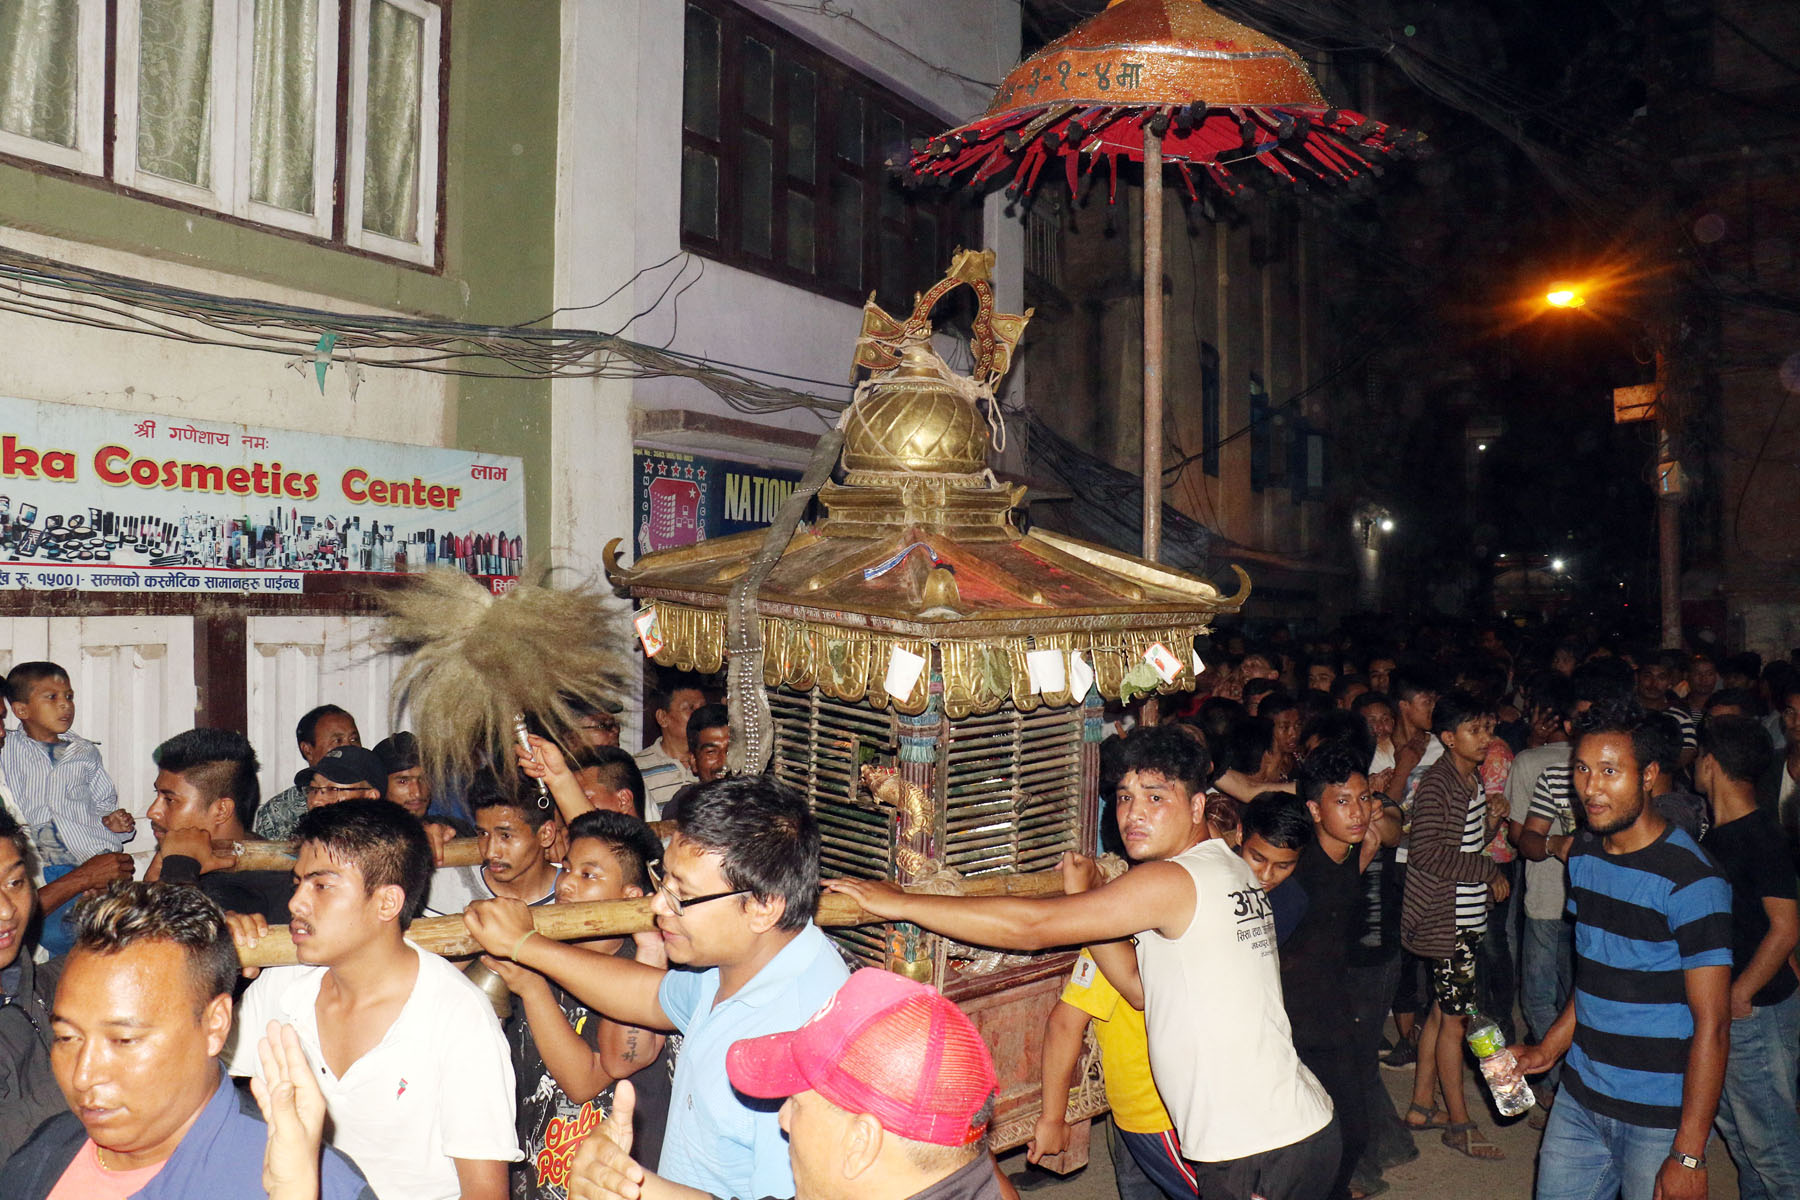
(885,1046)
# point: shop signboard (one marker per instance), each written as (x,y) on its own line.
(105,500)
(687,498)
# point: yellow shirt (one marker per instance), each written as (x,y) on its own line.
(1124,1049)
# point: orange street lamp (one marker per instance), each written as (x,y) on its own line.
(1565,296)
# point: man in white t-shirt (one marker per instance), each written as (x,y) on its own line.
(417,1079)
(1248,1113)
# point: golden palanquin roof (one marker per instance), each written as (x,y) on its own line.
(920,549)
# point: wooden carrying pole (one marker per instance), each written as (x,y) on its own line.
(619,918)
(279,856)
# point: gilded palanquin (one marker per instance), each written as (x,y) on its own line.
(987,761)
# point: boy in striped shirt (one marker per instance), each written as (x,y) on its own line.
(1648,1029)
(1449,877)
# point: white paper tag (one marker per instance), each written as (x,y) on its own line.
(649,631)
(1199,667)
(1046,671)
(1163,661)
(903,671)
(1085,970)
(1081,677)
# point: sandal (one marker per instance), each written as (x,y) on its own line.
(1435,1118)
(1464,1138)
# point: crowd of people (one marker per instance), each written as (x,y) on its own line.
(1334,859)
(374,1068)
(1596,837)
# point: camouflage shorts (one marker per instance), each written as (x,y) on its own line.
(1453,978)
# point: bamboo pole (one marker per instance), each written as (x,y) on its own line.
(279,856)
(449,937)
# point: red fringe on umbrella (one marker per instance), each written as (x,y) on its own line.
(1294,143)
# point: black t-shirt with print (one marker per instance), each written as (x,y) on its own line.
(551,1126)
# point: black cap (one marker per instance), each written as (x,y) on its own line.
(347,765)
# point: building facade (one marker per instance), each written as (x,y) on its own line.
(377,161)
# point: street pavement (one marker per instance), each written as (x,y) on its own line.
(1438,1173)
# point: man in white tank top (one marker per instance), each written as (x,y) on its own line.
(1204,971)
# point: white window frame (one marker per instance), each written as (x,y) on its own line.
(318,221)
(356,154)
(86,155)
(224,102)
(234,26)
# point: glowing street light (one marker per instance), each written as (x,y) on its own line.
(1387,524)
(1564,296)
(1557,565)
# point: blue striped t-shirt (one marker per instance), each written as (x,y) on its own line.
(1641,919)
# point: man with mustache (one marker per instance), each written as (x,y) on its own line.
(517,839)
(142,1012)
(1647,1031)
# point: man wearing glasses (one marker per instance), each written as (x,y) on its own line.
(596,726)
(734,901)
(346,773)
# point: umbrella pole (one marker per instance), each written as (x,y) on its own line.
(1153,343)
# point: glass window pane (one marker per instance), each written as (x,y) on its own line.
(890,135)
(928,262)
(890,140)
(284,84)
(699,193)
(895,272)
(846,226)
(700,74)
(893,200)
(849,142)
(175,90)
(756,194)
(39,69)
(800,253)
(759,81)
(391,163)
(803,123)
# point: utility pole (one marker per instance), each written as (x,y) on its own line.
(1668,501)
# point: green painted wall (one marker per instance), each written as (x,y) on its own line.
(499,222)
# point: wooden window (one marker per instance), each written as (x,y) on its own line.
(784,166)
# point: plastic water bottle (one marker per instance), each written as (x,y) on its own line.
(1512,1095)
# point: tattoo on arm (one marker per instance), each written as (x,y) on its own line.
(630,1053)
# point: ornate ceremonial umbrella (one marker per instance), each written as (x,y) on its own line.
(1158,81)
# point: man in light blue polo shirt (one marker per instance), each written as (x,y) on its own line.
(734,904)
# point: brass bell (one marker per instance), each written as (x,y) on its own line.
(491,985)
